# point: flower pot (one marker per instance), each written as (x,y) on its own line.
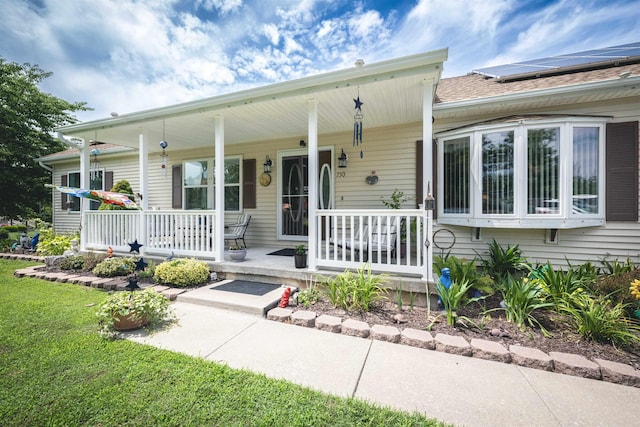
(237,254)
(300,260)
(128,323)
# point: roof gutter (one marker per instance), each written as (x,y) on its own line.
(45,166)
(629,83)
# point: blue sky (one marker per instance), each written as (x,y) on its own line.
(130,55)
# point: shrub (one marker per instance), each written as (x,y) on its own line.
(182,272)
(75,262)
(309,296)
(356,291)
(91,259)
(51,243)
(15,228)
(616,287)
(4,234)
(148,272)
(112,267)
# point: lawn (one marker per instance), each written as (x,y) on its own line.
(55,370)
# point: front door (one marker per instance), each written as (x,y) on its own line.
(293,213)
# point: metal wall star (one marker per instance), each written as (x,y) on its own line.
(359,103)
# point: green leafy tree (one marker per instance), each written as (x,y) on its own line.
(27,118)
(122,187)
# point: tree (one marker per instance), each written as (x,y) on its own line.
(28,117)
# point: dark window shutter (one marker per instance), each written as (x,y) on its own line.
(176,185)
(63,196)
(622,172)
(249,184)
(108,180)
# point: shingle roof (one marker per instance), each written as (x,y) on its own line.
(476,86)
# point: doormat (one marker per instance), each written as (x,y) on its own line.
(284,252)
(247,287)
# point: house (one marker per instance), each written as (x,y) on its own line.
(541,156)
(263,144)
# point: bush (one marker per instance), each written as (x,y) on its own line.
(182,272)
(4,234)
(148,272)
(616,287)
(51,243)
(15,228)
(91,259)
(112,267)
(355,291)
(122,187)
(72,263)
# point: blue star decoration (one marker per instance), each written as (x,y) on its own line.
(359,103)
(135,246)
(133,283)
(141,265)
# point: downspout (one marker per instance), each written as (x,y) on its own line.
(53,210)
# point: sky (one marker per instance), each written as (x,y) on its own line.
(130,55)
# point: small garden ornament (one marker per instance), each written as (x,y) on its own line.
(284,301)
(445,281)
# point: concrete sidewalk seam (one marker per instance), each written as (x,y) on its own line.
(232,338)
(362,367)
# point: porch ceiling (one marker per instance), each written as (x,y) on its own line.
(391,92)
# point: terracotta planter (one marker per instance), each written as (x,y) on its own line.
(127,323)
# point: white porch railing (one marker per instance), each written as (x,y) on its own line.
(184,233)
(391,240)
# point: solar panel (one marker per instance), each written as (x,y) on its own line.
(554,64)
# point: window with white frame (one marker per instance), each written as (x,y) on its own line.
(199,184)
(532,174)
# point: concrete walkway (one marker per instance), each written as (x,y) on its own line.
(454,389)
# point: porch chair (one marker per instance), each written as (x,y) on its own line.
(237,230)
(380,242)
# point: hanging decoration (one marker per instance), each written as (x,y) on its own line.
(164,144)
(94,170)
(357,124)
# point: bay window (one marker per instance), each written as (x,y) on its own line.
(525,174)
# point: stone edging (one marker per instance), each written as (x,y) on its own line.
(565,363)
(109,284)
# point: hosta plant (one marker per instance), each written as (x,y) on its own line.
(182,272)
(147,305)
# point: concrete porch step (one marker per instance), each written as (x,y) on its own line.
(247,303)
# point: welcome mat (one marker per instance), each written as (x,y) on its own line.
(284,252)
(247,287)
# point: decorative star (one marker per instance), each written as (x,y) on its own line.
(133,283)
(135,246)
(359,103)
(141,265)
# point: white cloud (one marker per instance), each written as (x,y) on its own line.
(224,6)
(272,33)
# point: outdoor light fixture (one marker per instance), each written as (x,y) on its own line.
(302,143)
(267,165)
(429,201)
(342,160)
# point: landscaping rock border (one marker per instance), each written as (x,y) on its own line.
(564,363)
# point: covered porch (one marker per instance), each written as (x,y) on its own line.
(319,110)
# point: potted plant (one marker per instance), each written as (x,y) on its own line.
(395,201)
(237,253)
(300,256)
(128,310)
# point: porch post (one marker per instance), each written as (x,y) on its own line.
(427,167)
(143,157)
(85,183)
(219,185)
(313,182)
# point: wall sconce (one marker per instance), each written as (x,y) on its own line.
(267,165)
(342,160)
(302,143)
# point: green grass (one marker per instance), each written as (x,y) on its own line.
(56,371)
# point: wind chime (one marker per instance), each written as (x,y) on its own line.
(357,124)
(164,144)
(94,167)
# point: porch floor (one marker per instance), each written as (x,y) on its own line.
(258,266)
